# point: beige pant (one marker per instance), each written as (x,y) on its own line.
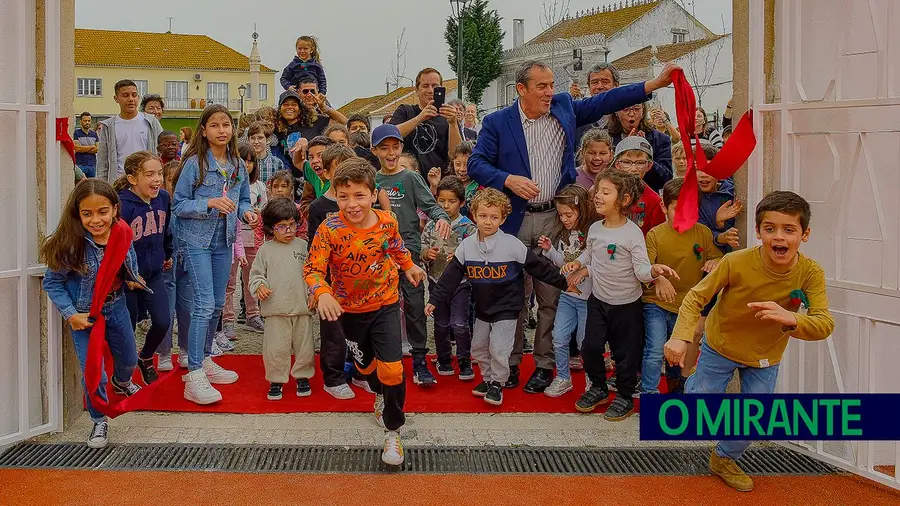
(282,335)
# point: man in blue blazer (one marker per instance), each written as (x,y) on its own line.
(527,150)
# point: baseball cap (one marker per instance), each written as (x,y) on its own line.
(385,131)
(633,143)
(289,94)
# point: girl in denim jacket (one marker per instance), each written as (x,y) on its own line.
(73,253)
(211,193)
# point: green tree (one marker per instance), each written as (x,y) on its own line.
(482,48)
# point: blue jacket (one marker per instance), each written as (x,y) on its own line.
(501,150)
(193,222)
(710,203)
(290,76)
(661,172)
(152,238)
(72,292)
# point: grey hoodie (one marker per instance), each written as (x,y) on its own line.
(108,155)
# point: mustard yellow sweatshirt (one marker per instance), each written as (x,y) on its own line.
(732,328)
(686,253)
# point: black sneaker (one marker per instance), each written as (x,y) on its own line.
(125,389)
(591,399)
(445,367)
(274,392)
(148,370)
(526,346)
(423,377)
(539,381)
(465,370)
(303,388)
(620,409)
(513,380)
(481,389)
(494,394)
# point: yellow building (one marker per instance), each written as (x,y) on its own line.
(188,71)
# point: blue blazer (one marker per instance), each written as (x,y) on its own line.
(501,150)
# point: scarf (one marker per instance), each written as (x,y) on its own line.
(98,349)
(729,159)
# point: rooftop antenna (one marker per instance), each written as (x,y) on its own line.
(170,18)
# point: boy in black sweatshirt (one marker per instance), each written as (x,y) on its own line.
(494,262)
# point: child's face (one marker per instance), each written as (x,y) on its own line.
(250,166)
(488,219)
(460,164)
(679,161)
(285,231)
(781,235)
(258,142)
(568,215)
(339,137)
(355,202)
(218,129)
(449,202)
(168,147)
(304,50)
(148,181)
(670,211)
(328,173)
(281,189)
(97,214)
(315,159)
(388,153)
(358,126)
(606,199)
(634,162)
(407,163)
(596,156)
(706,182)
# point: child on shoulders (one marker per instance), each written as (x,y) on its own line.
(307,61)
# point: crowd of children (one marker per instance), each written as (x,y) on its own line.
(346,241)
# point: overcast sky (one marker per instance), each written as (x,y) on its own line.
(357,38)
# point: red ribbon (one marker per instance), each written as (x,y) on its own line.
(62,135)
(98,349)
(729,159)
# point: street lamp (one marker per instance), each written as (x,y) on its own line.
(241,90)
(460,5)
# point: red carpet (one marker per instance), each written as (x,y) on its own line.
(450,395)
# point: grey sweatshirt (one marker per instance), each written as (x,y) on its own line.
(408,193)
(617,261)
(107,152)
(279,267)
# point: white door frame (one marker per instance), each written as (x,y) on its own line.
(787,54)
(26,228)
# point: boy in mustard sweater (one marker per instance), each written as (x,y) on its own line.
(766,295)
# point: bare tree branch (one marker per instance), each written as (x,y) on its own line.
(554,13)
(398,69)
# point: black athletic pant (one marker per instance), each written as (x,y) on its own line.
(332,353)
(414,313)
(157,304)
(623,327)
(374,340)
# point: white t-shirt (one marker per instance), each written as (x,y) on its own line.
(131,137)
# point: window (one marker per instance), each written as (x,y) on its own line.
(678,35)
(88,87)
(217,93)
(142,88)
(263,91)
(177,95)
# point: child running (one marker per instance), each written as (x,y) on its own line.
(616,257)
(493,261)
(145,206)
(767,294)
(452,318)
(307,61)
(277,280)
(362,249)
(212,191)
(576,214)
(73,254)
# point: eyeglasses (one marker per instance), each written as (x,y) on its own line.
(627,164)
(307,91)
(283,229)
(636,109)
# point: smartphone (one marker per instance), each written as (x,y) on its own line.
(440,94)
(292,139)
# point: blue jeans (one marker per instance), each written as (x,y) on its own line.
(208,270)
(712,376)
(571,315)
(169,276)
(120,337)
(658,326)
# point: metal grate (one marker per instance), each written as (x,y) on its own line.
(347,459)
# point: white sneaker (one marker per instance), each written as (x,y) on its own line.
(216,374)
(224,343)
(379,411)
(182,359)
(197,388)
(392,454)
(342,392)
(99,435)
(361,383)
(558,387)
(165,363)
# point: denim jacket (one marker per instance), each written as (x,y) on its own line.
(72,292)
(193,222)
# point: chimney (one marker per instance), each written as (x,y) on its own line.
(518,33)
